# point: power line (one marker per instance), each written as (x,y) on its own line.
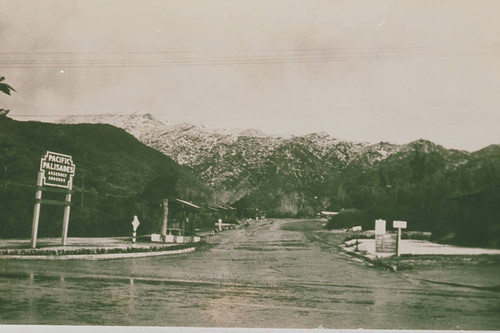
(296,50)
(195,59)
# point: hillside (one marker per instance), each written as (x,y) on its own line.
(120,177)
(287,171)
(236,164)
(449,192)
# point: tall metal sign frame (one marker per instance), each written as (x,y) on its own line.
(55,175)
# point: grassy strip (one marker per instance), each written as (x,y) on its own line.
(52,252)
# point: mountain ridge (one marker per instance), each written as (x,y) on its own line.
(231,164)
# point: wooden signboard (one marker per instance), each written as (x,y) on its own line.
(385,243)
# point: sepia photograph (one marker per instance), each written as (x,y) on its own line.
(230,165)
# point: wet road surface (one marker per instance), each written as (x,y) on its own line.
(274,273)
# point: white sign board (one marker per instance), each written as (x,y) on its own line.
(135,223)
(358,228)
(57,169)
(399,224)
(380,227)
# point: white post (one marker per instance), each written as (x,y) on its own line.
(135,225)
(36,212)
(66,214)
(379,233)
(398,242)
(399,225)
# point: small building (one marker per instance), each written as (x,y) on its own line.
(182,218)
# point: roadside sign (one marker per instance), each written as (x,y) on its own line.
(57,169)
(135,223)
(385,243)
(399,224)
(380,227)
(357,228)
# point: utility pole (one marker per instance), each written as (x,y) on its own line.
(165,220)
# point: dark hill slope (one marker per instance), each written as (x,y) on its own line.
(112,166)
(454,194)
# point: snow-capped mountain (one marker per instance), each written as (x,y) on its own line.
(193,145)
(237,164)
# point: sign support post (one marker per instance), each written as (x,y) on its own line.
(36,213)
(399,225)
(135,225)
(356,230)
(398,242)
(66,215)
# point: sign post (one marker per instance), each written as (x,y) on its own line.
(135,225)
(399,225)
(357,230)
(66,214)
(56,170)
(36,212)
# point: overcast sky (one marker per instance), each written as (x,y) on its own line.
(359,70)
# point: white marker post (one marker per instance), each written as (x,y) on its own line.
(135,225)
(399,225)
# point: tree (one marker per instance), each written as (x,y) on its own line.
(6,89)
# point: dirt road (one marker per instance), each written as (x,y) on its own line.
(275,273)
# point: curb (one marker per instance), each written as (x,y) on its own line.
(104,256)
